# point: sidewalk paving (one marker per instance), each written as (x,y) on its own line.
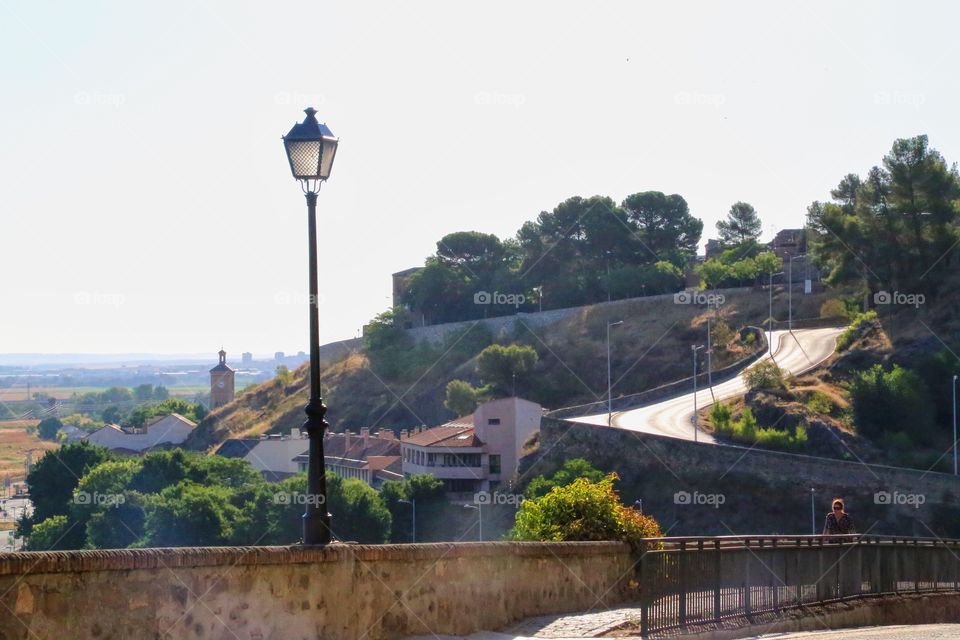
(557,627)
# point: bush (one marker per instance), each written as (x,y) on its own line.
(856,325)
(833,308)
(571,470)
(48,428)
(765,375)
(819,402)
(891,401)
(745,430)
(49,535)
(583,510)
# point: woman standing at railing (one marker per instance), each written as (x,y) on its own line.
(838,521)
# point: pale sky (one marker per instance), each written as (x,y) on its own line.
(146,204)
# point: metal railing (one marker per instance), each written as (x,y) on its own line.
(705,580)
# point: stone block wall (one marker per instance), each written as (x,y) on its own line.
(338,592)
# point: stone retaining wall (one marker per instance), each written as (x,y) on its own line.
(338,592)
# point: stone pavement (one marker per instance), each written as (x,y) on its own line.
(558,627)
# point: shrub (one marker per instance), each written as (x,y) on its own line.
(720,416)
(583,510)
(764,375)
(819,402)
(833,308)
(856,325)
(891,401)
(571,470)
(721,334)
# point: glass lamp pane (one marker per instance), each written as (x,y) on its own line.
(329,151)
(304,158)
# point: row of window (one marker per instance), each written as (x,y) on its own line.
(426,459)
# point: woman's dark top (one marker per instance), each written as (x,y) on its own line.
(838,526)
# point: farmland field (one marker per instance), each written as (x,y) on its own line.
(14,444)
(19,393)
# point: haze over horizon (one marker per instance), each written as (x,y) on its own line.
(148,206)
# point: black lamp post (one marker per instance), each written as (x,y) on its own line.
(311,147)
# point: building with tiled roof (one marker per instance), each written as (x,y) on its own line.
(474,453)
(373,458)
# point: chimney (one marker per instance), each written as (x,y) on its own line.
(404,434)
(365,434)
(346,439)
(387,434)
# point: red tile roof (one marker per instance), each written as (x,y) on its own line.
(446,437)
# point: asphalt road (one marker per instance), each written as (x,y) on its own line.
(795,353)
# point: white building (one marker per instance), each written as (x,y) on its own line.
(272,455)
(475,453)
(170,429)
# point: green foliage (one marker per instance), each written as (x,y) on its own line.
(361,515)
(833,308)
(283,377)
(461,398)
(745,430)
(764,375)
(48,428)
(583,510)
(498,365)
(768,263)
(860,320)
(891,401)
(713,273)
(721,334)
(140,415)
(51,534)
(425,490)
(900,217)
(188,514)
(571,470)
(741,225)
(819,402)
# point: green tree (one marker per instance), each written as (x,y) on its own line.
(742,225)
(498,366)
(48,428)
(768,263)
(583,510)
(664,228)
(713,273)
(764,375)
(190,515)
(461,398)
(891,401)
(143,393)
(53,481)
(50,534)
(571,470)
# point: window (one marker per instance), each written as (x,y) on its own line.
(494,463)
(493,420)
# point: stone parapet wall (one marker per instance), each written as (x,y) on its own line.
(338,592)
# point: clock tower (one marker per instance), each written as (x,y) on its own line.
(221,383)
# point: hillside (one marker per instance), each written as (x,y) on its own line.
(650,348)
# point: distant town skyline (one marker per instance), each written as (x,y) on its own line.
(148,206)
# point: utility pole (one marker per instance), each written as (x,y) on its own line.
(813,513)
(710,360)
(694,348)
(609,376)
(954,425)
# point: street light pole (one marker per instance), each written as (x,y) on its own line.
(609,376)
(413,504)
(790,291)
(813,513)
(479,509)
(770,318)
(954,425)
(311,148)
(694,348)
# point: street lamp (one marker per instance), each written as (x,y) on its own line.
(311,147)
(479,516)
(770,318)
(413,504)
(790,290)
(609,379)
(694,348)
(954,425)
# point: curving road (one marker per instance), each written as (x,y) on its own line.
(795,353)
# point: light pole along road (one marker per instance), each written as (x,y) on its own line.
(794,353)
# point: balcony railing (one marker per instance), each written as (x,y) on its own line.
(694,581)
